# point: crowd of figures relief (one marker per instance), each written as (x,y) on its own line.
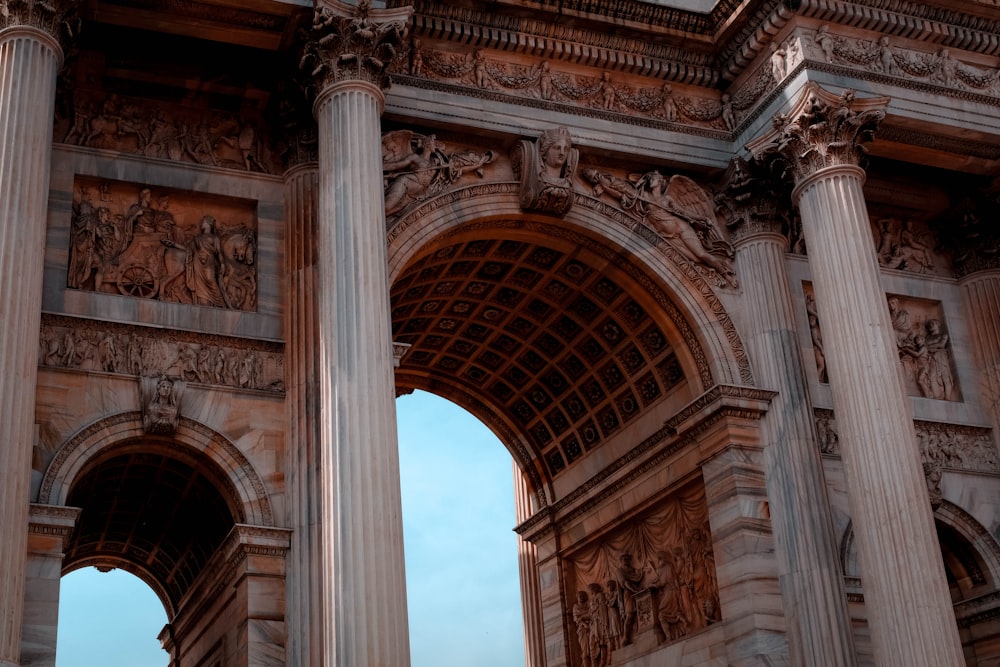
(231,141)
(126,350)
(129,240)
(654,580)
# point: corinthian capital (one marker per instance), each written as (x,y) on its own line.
(56,17)
(822,130)
(353,42)
(752,201)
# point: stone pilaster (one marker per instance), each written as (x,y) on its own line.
(48,534)
(724,422)
(363,584)
(305,610)
(30,56)
(812,585)
(531,594)
(909,609)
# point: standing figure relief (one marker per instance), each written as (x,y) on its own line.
(158,251)
(680,212)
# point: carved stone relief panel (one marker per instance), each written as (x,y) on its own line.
(922,341)
(167,131)
(161,403)
(887,56)
(951,446)
(164,244)
(650,581)
(123,349)
(545,169)
(595,90)
(416,167)
(678,211)
(908,245)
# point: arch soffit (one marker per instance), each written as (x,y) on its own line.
(247,494)
(688,298)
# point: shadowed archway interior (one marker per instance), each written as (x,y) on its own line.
(158,516)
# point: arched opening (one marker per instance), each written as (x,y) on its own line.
(557,347)
(461,554)
(186,514)
(151,512)
(112,614)
(971,557)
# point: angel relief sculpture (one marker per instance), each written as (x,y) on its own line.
(415,167)
(678,210)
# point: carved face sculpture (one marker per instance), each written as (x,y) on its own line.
(164,388)
(556,153)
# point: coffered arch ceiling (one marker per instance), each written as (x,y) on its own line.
(556,341)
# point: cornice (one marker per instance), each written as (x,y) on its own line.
(547,39)
(936,25)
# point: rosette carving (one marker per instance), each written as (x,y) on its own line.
(353,42)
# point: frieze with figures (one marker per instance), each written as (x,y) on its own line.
(122,349)
(652,581)
(199,136)
(158,243)
(951,446)
(885,56)
(595,90)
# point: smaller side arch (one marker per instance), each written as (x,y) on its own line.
(951,516)
(248,494)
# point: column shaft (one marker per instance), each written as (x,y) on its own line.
(531,594)
(812,586)
(910,612)
(305,609)
(363,540)
(28,62)
(982,298)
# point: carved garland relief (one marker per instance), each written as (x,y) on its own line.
(881,56)
(654,577)
(162,244)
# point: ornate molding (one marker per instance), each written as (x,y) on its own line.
(904,17)
(353,42)
(821,130)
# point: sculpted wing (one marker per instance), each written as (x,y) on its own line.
(694,204)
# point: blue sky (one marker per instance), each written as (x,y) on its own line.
(461,559)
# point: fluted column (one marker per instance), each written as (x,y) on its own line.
(982,299)
(306,616)
(363,580)
(527,563)
(812,585)
(29,59)
(909,610)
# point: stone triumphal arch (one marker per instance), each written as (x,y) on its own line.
(722,276)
